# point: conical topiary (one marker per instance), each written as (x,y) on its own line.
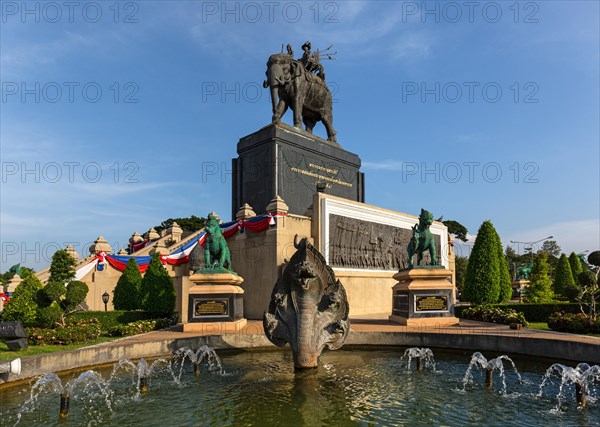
(482,282)
(157,290)
(127,291)
(563,277)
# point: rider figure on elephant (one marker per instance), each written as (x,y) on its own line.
(311,61)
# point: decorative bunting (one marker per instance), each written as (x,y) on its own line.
(182,254)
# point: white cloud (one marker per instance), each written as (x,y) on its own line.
(387,165)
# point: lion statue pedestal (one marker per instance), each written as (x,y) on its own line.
(423,296)
(215,303)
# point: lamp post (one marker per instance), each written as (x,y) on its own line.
(530,244)
(105,297)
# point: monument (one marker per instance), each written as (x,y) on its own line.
(215,299)
(424,294)
(309,308)
(312,187)
(286,161)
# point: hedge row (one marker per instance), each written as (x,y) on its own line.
(532,312)
(111,319)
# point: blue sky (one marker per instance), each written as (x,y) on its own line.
(112,116)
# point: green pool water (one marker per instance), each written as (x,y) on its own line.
(350,388)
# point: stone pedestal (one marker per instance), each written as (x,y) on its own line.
(519,287)
(213,303)
(280,160)
(423,297)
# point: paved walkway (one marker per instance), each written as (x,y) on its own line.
(378,323)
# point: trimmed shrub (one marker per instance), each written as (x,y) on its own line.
(586,279)
(572,292)
(488,313)
(575,264)
(127,291)
(23,306)
(505,283)
(52,292)
(157,290)
(482,282)
(563,277)
(62,268)
(75,295)
(540,287)
(594,258)
(574,323)
(50,316)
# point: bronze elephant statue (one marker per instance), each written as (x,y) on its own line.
(305,93)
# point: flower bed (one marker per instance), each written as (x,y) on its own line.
(74,332)
(487,313)
(574,323)
(86,329)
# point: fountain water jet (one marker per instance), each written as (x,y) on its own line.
(478,360)
(50,382)
(423,357)
(581,377)
(204,352)
(142,371)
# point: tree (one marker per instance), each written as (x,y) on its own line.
(590,293)
(62,268)
(22,271)
(191,224)
(551,248)
(23,306)
(57,301)
(482,281)
(460,269)
(540,286)
(594,259)
(563,277)
(127,290)
(157,290)
(575,263)
(457,229)
(505,283)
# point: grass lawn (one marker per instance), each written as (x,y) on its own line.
(6,354)
(539,325)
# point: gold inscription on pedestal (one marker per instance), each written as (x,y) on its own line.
(320,176)
(211,307)
(431,303)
